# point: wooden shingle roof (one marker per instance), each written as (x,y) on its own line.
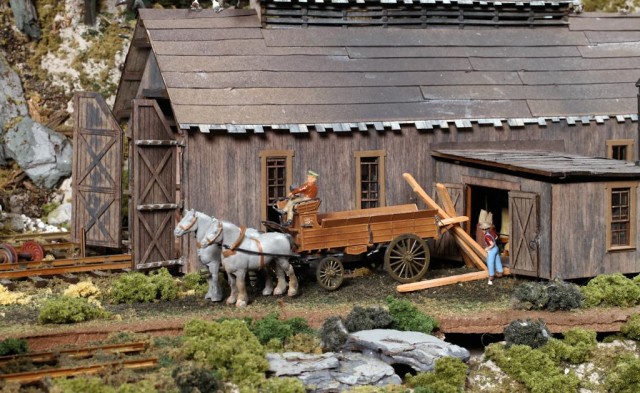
(224,71)
(550,164)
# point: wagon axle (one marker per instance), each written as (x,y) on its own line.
(30,250)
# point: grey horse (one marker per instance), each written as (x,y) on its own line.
(213,235)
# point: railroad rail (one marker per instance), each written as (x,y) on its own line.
(65,266)
(34,376)
(81,353)
(46,237)
(76,354)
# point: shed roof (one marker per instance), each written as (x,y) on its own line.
(224,71)
(552,164)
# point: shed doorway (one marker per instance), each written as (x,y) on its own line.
(496,202)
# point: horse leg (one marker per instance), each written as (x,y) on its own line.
(215,292)
(281,286)
(233,296)
(293,280)
(241,284)
(268,283)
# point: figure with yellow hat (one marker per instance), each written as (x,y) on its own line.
(306,191)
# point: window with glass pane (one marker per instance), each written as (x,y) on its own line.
(369,182)
(620,217)
(276,178)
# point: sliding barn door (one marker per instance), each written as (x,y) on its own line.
(154,166)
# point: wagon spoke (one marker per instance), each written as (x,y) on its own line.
(407,258)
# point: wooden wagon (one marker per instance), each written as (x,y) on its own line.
(327,238)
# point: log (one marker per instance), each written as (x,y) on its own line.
(453,220)
(439,282)
(458,231)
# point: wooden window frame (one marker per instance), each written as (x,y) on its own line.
(264,155)
(628,143)
(632,186)
(380,154)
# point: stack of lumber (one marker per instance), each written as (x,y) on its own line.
(473,254)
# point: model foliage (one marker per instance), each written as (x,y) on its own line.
(67,309)
(526,332)
(407,317)
(137,288)
(449,376)
(612,290)
(13,346)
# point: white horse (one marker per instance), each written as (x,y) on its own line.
(252,251)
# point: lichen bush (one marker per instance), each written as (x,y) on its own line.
(13,346)
(8,297)
(611,290)
(631,328)
(97,385)
(84,289)
(190,376)
(407,317)
(526,332)
(228,347)
(271,327)
(531,296)
(67,309)
(576,347)
(195,282)
(136,287)
(303,342)
(563,296)
(533,368)
(449,376)
(380,389)
(333,334)
(283,385)
(366,318)
(624,377)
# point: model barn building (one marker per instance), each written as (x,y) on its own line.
(227,110)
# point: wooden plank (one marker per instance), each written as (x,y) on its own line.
(246,21)
(210,48)
(459,232)
(363,52)
(299,63)
(611,50)
(216,34)
(610,23)
(555,64)
(583,107)
(598,37)
(542,92)
(318,114)
(256,79)
(453,220)
(578,77)
(439,282)
(422,37)
(148,14)
(294,96)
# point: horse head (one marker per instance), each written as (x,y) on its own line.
(188,223)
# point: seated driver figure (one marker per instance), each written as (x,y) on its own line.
(308,190)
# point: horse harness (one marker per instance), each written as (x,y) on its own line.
(231,250)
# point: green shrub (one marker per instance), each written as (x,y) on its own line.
(625,376)
(526,332)
(81,385)
(13,346)
(533,368)
(133,287)
(361,318)
(271,327)
(136,287)
(166,287)
(196,282)
(631,328)
(611,290)
(333,334)
(563,296)
(575,348)
(66,309)
(380,389)
(190,375)
(283,385)
(143,386)
(303,342)
(228,347)
(407,317)
(449,375)
(531,295)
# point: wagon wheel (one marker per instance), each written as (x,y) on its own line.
(407,258)
(330,273)
(8,253)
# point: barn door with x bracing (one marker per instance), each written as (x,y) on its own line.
(523,239)
(97,173)
(154,163)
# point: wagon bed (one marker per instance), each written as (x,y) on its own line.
(328,236)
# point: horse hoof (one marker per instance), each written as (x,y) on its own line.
(266,292)
(231,301)
(216,299)
(241,303)
(278,292)
(292,293)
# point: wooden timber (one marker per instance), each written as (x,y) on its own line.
(81,353)
(64,266)
(439,282)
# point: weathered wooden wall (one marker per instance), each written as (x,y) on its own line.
(222,171)
(579,234)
